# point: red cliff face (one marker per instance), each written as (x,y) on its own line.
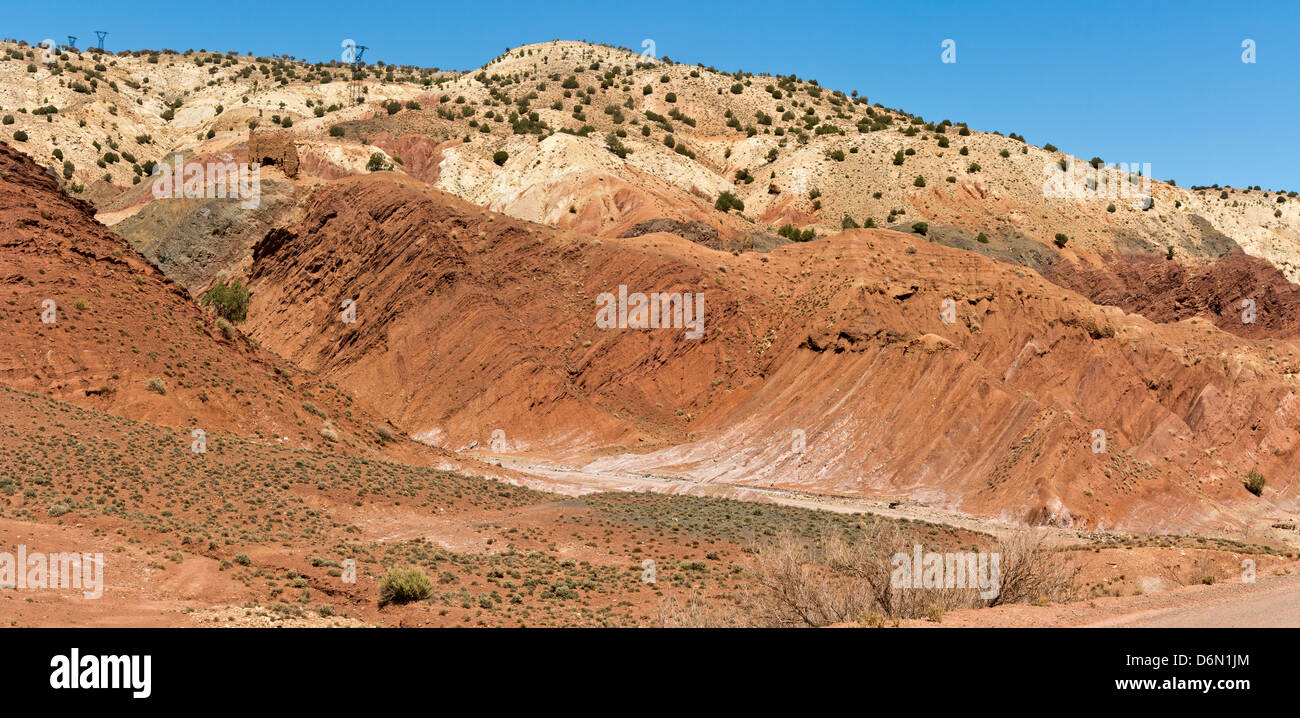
(902,367)
(89,321)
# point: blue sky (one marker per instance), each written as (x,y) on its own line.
(1129,81)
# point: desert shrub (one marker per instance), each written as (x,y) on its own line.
(982,238)
(727,201)
(229,300)
(1032,572)
(613,144)
(500,157)
(1060,240)
(919,181)
(336,131)
(378,163)
(1255,482)
(401,585)
(311,408)
(20,136)
(242,559)
(156,385)
(921,228)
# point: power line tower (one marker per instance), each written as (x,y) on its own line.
(101,34)
(72,41)
(356,89)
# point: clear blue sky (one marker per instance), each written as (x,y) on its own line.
(1129,81)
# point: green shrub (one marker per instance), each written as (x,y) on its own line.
(229,300)
(727,201)
(1255,482)
(618,148)
(500,157)
(982,238)
(1060,240)
(242,559)
(313,409)
(336,131)
(921,228)
(400,585)
(20,136)
(919,181)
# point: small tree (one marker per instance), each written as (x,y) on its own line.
(921,228)
(500,157)
(1060,240)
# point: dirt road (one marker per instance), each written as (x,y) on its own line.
(1272,602)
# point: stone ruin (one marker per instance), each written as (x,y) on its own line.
(274,148)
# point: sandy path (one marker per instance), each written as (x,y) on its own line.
(1268,603)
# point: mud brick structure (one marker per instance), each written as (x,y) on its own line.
(274,148)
